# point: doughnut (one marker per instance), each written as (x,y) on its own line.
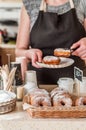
(40,97)
(60,97)
(41,101)
(61,52)
(62,100)
(81,101)
(58,91)
(51,60)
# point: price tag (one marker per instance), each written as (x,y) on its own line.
(78,74)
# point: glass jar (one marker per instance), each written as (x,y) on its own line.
(30,76)
(83,86)
(66,84)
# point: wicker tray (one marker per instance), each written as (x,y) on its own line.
(8,106)
(57,112)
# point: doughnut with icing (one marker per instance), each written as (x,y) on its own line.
(58,91)
(40,97)
(53,60)
(62,100)
(60,97)
(42,100)
(61,52)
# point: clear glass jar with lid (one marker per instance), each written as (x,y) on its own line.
(66,83)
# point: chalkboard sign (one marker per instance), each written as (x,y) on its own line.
(78,74)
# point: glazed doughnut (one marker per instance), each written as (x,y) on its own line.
(62,100)
(61,52)
(38,101)
(53,60)
(81,101)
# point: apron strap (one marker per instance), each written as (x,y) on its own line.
(43,5)
(71,3)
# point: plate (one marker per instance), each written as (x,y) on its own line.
(65,62)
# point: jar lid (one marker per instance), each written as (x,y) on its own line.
(65,80)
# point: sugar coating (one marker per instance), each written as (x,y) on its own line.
(62,50)
(50,58)
(58,100)
(41,100)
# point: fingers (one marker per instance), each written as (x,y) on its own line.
(34,60)
(75,45)
(36,57)
(79,48)
(75,48)
(83,56)
(82,53)
(77,52)
(39,55)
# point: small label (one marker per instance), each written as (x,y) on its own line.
(78,74)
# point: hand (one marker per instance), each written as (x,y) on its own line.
(81,48)
(35,55)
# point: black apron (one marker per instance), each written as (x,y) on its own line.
(52,31)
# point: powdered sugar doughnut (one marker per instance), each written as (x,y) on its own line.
(81,101)
(38,101)
(58,91)
(61,52)
(40,97)
(53,60)
(62,100)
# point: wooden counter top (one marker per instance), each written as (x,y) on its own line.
(7,46)
(20,120)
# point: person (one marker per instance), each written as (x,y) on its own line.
(49,24)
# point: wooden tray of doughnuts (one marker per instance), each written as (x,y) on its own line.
(58,112)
